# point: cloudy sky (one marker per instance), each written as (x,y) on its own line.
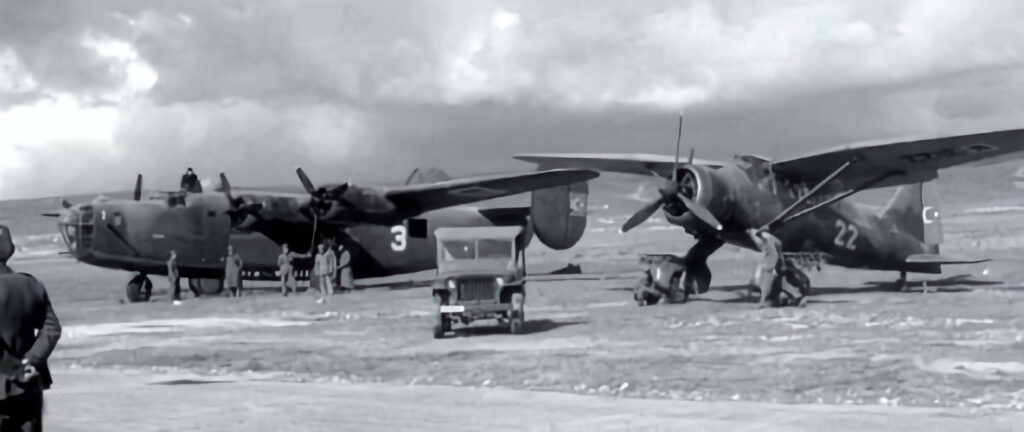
(92,92)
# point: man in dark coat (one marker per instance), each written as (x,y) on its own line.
(29,331)
(190,182)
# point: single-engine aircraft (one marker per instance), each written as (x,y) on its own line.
(800,200)
(388,229)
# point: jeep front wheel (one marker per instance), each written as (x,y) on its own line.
(518,316)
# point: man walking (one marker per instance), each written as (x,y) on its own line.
(233,272)
(174,278)
(29,331)
(344,269)
(324,268)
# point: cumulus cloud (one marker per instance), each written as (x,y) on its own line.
(92,93)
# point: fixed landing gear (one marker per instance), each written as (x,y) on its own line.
(206,286)
(139,289)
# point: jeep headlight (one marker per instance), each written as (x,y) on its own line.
(500,281)
(657,273)
(450,283)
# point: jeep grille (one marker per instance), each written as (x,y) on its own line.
(477,289)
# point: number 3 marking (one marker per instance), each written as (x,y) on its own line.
(843,229)
(400,232)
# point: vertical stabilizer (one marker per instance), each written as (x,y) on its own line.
(915,210)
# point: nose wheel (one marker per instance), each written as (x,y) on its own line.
(139,289)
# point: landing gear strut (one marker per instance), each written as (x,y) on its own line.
(139,289)
(901,283)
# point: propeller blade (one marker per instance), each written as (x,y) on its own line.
(641,215)
(225,186)
(307,184)
(701,212)
(679,138)
(690,162)
(137,196)
(338,191)
(64,203)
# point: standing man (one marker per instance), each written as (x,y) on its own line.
(233,272)
(190,182)
(286,267)
(174,278)
(325,266)
(29,331)
(773,268)
(344,269)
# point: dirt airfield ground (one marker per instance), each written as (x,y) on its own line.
(860,356)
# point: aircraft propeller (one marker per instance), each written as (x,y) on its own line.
(673,188)
(320,197)
(239,209)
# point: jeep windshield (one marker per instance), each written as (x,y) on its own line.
(483,249)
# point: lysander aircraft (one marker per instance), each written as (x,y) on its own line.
(800,200)
(387,229)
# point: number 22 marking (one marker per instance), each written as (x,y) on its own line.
(398,242)
(845,228)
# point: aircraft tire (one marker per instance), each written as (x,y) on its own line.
(207,286)
(677,292)
(139,289)
(518,316)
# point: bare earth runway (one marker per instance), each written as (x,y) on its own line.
(860,356)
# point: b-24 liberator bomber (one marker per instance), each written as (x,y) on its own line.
(388,229)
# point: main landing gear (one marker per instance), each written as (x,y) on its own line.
(139,288)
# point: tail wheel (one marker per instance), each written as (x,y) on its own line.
(139,289)
(518,315)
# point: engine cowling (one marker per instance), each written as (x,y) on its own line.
(559,214)
(704,186)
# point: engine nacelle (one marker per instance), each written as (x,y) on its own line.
(559,214)
(708,187)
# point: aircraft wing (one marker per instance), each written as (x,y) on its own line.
(630,163)
(904,161)
(418,198)
(940,259)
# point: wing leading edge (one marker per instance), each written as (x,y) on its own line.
(903,162)
(629,163)
(418,198)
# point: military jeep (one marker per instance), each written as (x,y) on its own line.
(481,274)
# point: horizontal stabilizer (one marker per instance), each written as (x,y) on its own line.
(940,259)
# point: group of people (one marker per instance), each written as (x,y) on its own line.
(328,269)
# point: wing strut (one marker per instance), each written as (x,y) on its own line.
(785,213)
(838,197)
